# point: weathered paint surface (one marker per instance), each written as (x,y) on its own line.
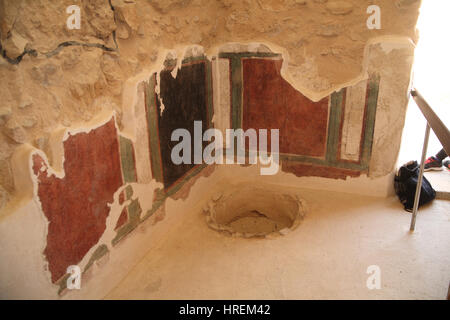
(181,101)
(99,162)
(270,102)
(76,205)
(73,235)
(310,132)
(185,101)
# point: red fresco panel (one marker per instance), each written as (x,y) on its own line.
(270,102)
(76,206)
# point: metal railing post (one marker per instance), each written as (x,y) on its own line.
(419,183)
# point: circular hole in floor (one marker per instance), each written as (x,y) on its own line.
(254,212)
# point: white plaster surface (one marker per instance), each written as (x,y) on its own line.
(353,121)
(22,264)
(392,59)
(141,144)
(221,94)
(325,258)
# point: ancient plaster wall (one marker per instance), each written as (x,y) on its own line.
(71,75)
(85,115)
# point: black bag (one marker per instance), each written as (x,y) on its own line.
(405,184)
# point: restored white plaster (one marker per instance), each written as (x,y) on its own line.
(353,121)
(141,143)
(222,94)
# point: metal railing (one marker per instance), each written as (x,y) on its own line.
(443,135)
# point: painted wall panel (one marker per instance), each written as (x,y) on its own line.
(182,100)
(76,205)
(270,102)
